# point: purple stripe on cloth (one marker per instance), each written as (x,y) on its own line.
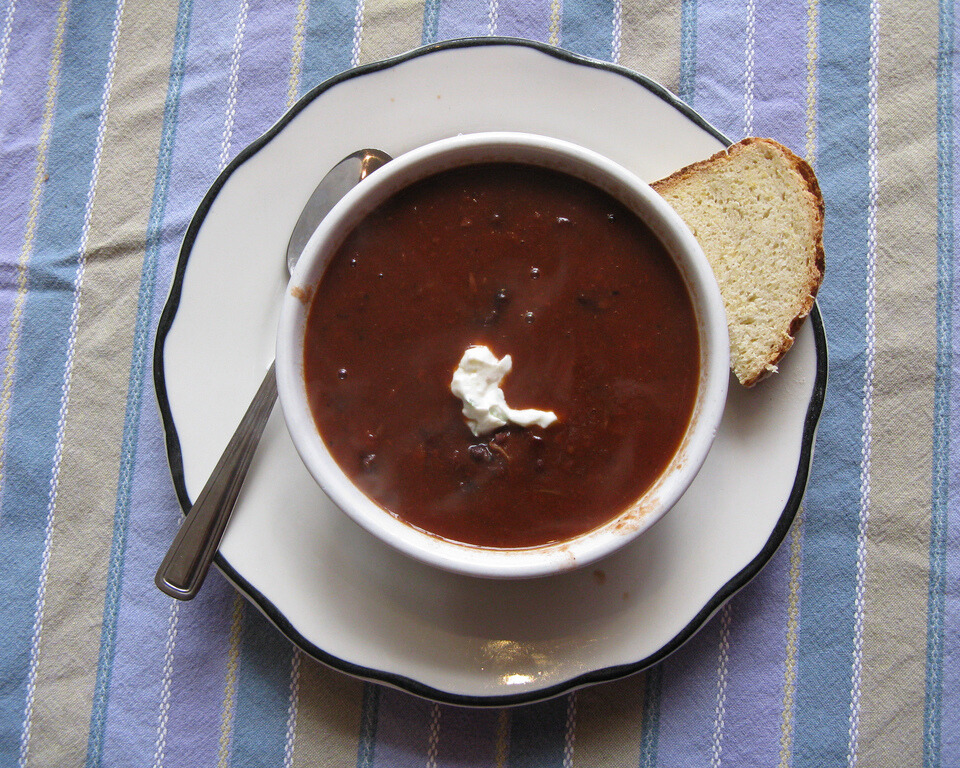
(463,18)
(137,688)
(688,700)
(538,734)
(529,19)
(780,64)
(755,671)
(119,733)
(467,737)
(950,697)
(721,32)
(697,679)
(21,122)
(137,727)
(194,704)
(264,73)
(403,730)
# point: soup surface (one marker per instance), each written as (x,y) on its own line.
(534,264)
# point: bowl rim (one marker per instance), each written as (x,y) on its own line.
(565,156)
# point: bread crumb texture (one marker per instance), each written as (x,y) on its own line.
(757,212)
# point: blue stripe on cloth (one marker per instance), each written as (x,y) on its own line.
(263,695)
(538,734)
(327,20)
(750,733)
(653,684)
(688,49)
(369,716)
(260,720)
(827,602)
(650,723)
(950,694)
(431,22)
(940,494)
(587,28)
(139,372)
(780,73)
(42,352)
(720,35)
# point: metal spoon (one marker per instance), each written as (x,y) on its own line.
(188,560)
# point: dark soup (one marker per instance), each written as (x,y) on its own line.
(534,264)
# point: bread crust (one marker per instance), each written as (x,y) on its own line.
(816,267)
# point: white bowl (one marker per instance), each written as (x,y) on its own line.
(638,197)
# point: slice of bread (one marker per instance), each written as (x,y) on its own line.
(757,212)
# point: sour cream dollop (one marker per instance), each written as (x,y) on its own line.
(476,381)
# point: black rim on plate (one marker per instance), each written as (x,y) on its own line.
(175,456)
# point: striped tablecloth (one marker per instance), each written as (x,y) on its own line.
(115,117)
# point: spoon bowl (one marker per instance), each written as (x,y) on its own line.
(341,178)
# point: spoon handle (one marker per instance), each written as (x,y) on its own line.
(184,568)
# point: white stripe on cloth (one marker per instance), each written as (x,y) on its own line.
(617,34)
(357,34)
(161,743)
(720,713)
(749,75)
(867,427)
(5,41)
(292,708)
(231,110)
(433,739)
(570,731)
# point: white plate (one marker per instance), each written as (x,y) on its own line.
(334,590)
